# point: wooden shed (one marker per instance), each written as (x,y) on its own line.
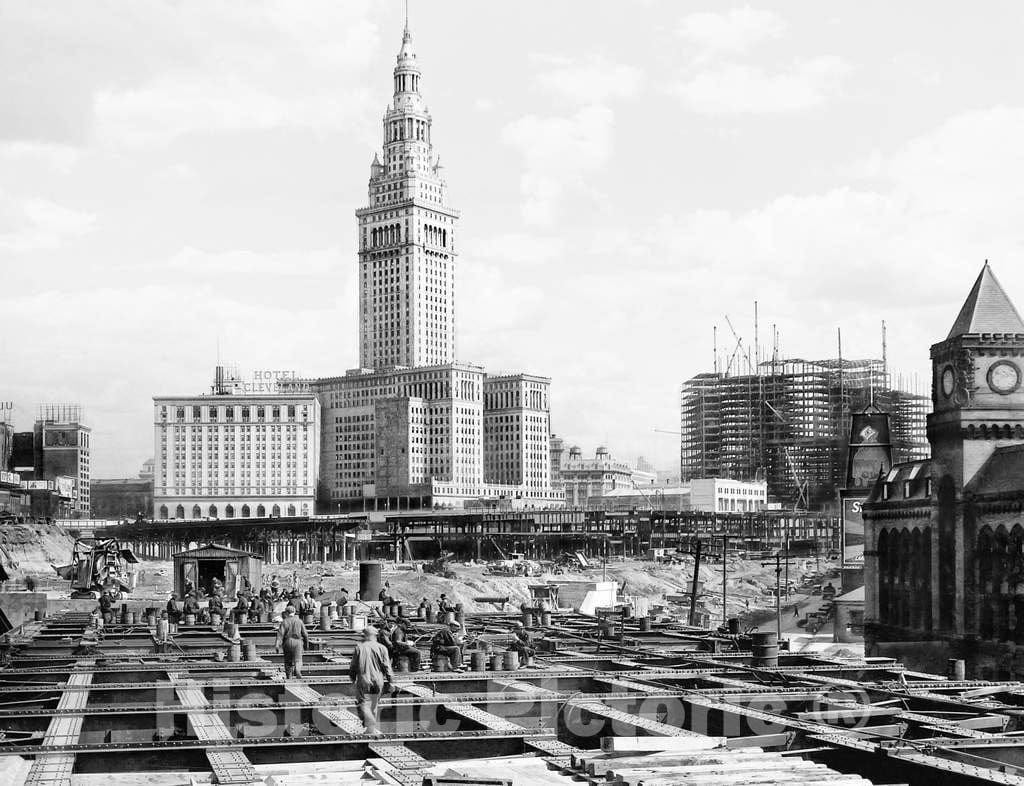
(235,569)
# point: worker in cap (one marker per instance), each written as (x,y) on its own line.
(522,642)
(371,675)
(292,639)
(172,609)
(107,607)
(447,641)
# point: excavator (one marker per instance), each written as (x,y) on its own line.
(97,566)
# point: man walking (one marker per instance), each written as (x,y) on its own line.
(292,639)
(371,675)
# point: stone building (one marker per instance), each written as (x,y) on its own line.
(944,550)
(235,455)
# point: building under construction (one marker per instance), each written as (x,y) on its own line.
(789,423)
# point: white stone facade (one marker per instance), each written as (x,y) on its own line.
(235,456)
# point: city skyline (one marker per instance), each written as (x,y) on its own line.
(166,203)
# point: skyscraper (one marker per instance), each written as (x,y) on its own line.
(412,428)
(406,239)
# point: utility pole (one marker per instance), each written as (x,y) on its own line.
(779,558)
(693,587)
(725,551)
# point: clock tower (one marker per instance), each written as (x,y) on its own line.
(977,383)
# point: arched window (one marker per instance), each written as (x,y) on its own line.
(291,510)
(305,508)
(213,511)
(261,511)
(229,512)
(179,512)
(163,511)
(197,512)
(275,511)
(245,511)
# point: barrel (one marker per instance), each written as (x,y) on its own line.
(251,651)
(307,619)
(449,617)
(645,623)
(190,619)
(431,616)
(124,614)
(333,611)
(402,664)
(440,663)
(230,630)
(496,661)
(151,620)
(162,629)
(765,649)
(38,616)
(510,662)
(545,619)
(235,652)
(370,574)
(527,619)
(215,619)
(399,610)
(325,617)
(734,626)
(478,661)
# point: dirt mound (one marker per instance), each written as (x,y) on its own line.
(32,549)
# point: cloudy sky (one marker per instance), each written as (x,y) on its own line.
(178,175)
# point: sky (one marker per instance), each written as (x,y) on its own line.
(178,181)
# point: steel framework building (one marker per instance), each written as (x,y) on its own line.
(789,423)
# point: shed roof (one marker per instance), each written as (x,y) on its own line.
(1002,473)
(216,551)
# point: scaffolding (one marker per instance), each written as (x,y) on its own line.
(789,422)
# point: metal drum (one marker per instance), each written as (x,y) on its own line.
(511,660)
(190,619)
(765,649)
(478,661)
(734,626)
(527,619)
(545,619)
(251,652)
(645,623)
(496,661)
(325,618)
(440,663)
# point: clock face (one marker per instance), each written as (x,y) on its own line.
(1004,377)
(947,381)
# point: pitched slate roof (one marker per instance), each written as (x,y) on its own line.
(987,309)
(1002,473)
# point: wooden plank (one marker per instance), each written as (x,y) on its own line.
(694,742)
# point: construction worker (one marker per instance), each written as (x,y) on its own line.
(256,608)
(448,641)
(384,596)
(192,606)
(242,608)
(371,675)
(107,608)
(342,601)
(522,642)
(172,609)
(443,606)
(400,646)
(216,606)
(292,638)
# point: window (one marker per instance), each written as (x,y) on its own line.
(275,511)
(213,511)
(229,512)
(245,414)
(245,511)
(179,512)
(291,510)
(163,511)
(261,511)
(197,413)
(213,414)
(229,414)
(197,512)
(260,413)
(179,413)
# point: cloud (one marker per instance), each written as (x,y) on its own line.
(58,157)
(33,223)
(588,80)
(732,88)
(558,153)
(732,32)
(290,264)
